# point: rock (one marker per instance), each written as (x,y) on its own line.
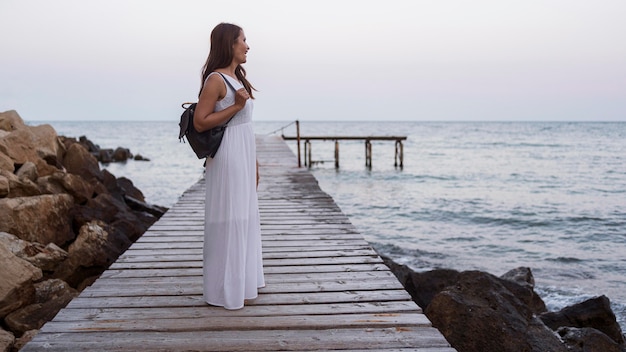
(4,186)
(46,258)
(74,185)
(52,296)
(593,313)
(140,157)
(140,206)
(122,154)
(88,144)
(19,187)
(80,162)
(24,339)
(90,254)
(479,313)
(27,143)
(7,340)
(52,211)
(105,156)
(10,121)
(587,340)
(6,163)
(129,189)
(29,171)
(521,283)
(16,281)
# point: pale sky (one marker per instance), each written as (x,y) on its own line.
(340,60)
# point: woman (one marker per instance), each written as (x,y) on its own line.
(233,267)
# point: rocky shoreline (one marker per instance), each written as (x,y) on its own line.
(63,221)
(477,311)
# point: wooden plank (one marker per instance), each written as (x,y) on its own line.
(369,339)
(77,314)
(285,270)
(180,300)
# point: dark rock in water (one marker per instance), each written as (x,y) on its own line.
(105,156)
(588,340)
(89,145)
(138,205)
(129,189)
(122,154)
(593,313)
(479,313)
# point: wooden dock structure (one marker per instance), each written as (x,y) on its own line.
(398,159)
(326,288)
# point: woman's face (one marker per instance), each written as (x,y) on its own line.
(240,49)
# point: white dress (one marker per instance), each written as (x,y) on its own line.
(233,264)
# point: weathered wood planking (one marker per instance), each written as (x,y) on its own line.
(326,287)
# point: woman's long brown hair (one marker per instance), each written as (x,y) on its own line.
(223,37)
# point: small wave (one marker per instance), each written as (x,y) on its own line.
(565,260)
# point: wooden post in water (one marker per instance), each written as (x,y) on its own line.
(336,154)
(399,154)
(368,153)
(307,153)
(298,139)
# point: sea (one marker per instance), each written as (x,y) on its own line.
(490,196)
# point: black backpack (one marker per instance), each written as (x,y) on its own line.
(204,144)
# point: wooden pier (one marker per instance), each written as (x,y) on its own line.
(308,161)
(326,287)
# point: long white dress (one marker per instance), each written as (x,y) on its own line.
(233,265)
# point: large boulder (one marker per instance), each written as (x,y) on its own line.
(479,313)
(25,143)
(51,211)
(80,162)
(17,279)
(51,296)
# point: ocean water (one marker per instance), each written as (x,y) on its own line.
(488,196)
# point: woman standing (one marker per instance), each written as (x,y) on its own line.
(233,267)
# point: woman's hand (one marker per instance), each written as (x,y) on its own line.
(241,97)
